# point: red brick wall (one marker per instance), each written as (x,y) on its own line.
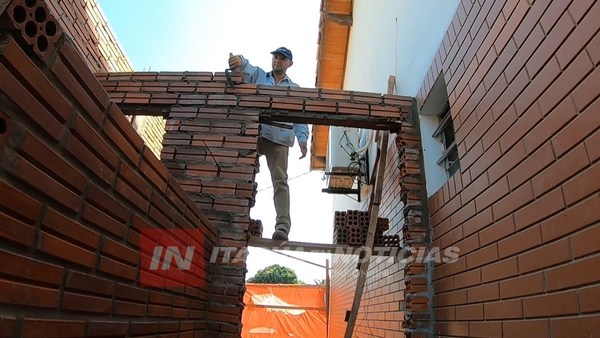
(522,80)
(395,291)
(77,186)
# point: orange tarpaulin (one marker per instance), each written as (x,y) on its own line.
(283,311)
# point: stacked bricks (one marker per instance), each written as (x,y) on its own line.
(152,92)
(77,187)
(417,317)
(351,227)
(38,29)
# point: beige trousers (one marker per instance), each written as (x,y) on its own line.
(277,161)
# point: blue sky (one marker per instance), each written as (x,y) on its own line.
(198,35)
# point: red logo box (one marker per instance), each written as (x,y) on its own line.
(172,258)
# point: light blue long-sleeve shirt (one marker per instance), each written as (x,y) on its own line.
(253,74)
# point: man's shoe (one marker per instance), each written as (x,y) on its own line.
(280,235)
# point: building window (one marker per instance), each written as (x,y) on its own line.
(445,133)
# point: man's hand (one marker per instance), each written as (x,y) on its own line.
(303,149)
(235,61)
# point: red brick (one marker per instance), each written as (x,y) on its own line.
(29,105)
(131,195)
(481,128)
(507,162)
(107,328)
(67,228)
(19,205)
(32,175)
(353,108)
(116,268)
(526,328)
(287,103)
(542,207)
(107,203)
(474,188)
(86,303)
(21,267)
(154,170)
(504,309)
(589,299)
(119,251)
(500,270)
(483,293)
(85,76)
(42,87)
(485,329)
(491,195)
(131,293)
(545,256)
(489,157)
(581,326)
(131,309)
(16,231)
(582,185)
(530,166)
(482,256)
(558,172)
(551,305)
(57,247)
(468,278)
(514,200)
(593,49)
(136,182)
(521,241)
(593,152)
(550,125)
(211,87)
(522,286)
(450,298)
(8,327)
(579,272)
(548,47)
(103,221)
(469,312)
(14,293)
(89,284)
(95,143)
(121,133)
(46,328)
(36,152)
(78,91)
(87,158)
(169,76)
(573,219)
(576,131)
(576,71)
(314,106)
(583,32)
(586,242)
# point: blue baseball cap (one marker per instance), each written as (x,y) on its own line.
(283,51)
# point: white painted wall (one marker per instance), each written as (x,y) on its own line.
(401,38)
(395,37)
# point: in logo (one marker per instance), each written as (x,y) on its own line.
(171,258)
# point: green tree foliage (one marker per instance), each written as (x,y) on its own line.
(275,274)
